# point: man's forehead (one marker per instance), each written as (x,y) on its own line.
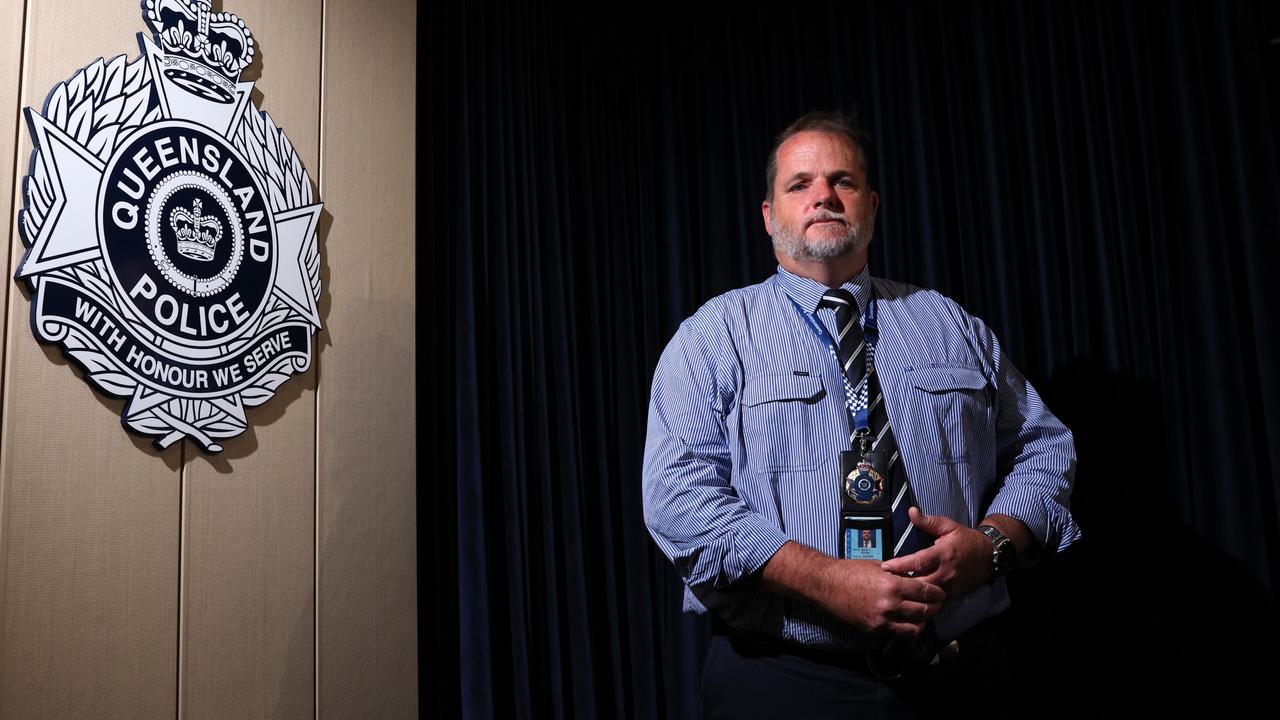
(802,151)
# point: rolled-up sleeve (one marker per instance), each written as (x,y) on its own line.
(691,508)
(1035,456)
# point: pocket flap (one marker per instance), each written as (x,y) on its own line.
(769,388)
(944,379)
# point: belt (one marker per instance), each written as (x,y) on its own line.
(884,665)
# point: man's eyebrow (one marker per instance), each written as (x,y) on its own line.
(833,175)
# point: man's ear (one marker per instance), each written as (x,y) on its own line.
(764,213)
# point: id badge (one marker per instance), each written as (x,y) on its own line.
(865,537)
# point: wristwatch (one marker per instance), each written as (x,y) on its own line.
(1003,551)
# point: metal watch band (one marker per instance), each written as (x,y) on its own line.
(1002,551)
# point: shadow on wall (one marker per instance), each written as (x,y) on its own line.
(246,443)
(1142,613)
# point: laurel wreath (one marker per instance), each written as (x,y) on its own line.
(265,146)
(98,106)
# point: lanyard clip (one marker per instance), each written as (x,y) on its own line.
(861,436)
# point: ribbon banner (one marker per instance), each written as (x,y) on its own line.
(61,307)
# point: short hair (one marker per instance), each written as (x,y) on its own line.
(823,121)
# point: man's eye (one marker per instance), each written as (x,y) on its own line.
(845,183)
(797,187)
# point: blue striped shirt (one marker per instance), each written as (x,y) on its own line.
(747,420)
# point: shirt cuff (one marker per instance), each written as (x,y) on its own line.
(1050,523)
(749,546)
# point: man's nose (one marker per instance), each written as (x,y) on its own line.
(824,195)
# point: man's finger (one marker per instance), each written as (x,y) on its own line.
(938,578)
(930,592)
(910,611)
(905,628)
(934,525)
(922,591)
(919,563)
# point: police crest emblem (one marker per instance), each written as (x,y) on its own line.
(171,230)
(864,485)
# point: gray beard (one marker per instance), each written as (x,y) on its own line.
(799,249)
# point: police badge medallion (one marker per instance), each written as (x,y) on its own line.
(864,485)
(171,231)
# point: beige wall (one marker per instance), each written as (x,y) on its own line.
(276,579)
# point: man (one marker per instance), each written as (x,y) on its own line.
(764,403)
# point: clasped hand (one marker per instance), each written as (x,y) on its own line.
(958,561)
(898,596)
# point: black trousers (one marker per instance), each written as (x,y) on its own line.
(748,677)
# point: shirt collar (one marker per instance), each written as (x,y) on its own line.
(808,292)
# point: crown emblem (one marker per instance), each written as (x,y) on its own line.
(189,28)
(198,235)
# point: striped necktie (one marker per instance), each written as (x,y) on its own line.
(851,348)
(850,343)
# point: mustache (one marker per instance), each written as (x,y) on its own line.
(825,215)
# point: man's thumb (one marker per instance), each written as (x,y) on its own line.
(931,524)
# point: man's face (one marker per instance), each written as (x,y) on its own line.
(821,206)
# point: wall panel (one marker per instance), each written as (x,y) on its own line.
(248,576)
(88,612)
(10,74)
(136,583)
(367,458)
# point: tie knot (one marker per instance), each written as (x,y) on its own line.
(839,299)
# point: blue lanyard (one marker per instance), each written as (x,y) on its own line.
(855,400)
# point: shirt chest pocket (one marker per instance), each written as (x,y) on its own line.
(781,419)
(953,407)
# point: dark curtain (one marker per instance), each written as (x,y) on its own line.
(1099,181)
